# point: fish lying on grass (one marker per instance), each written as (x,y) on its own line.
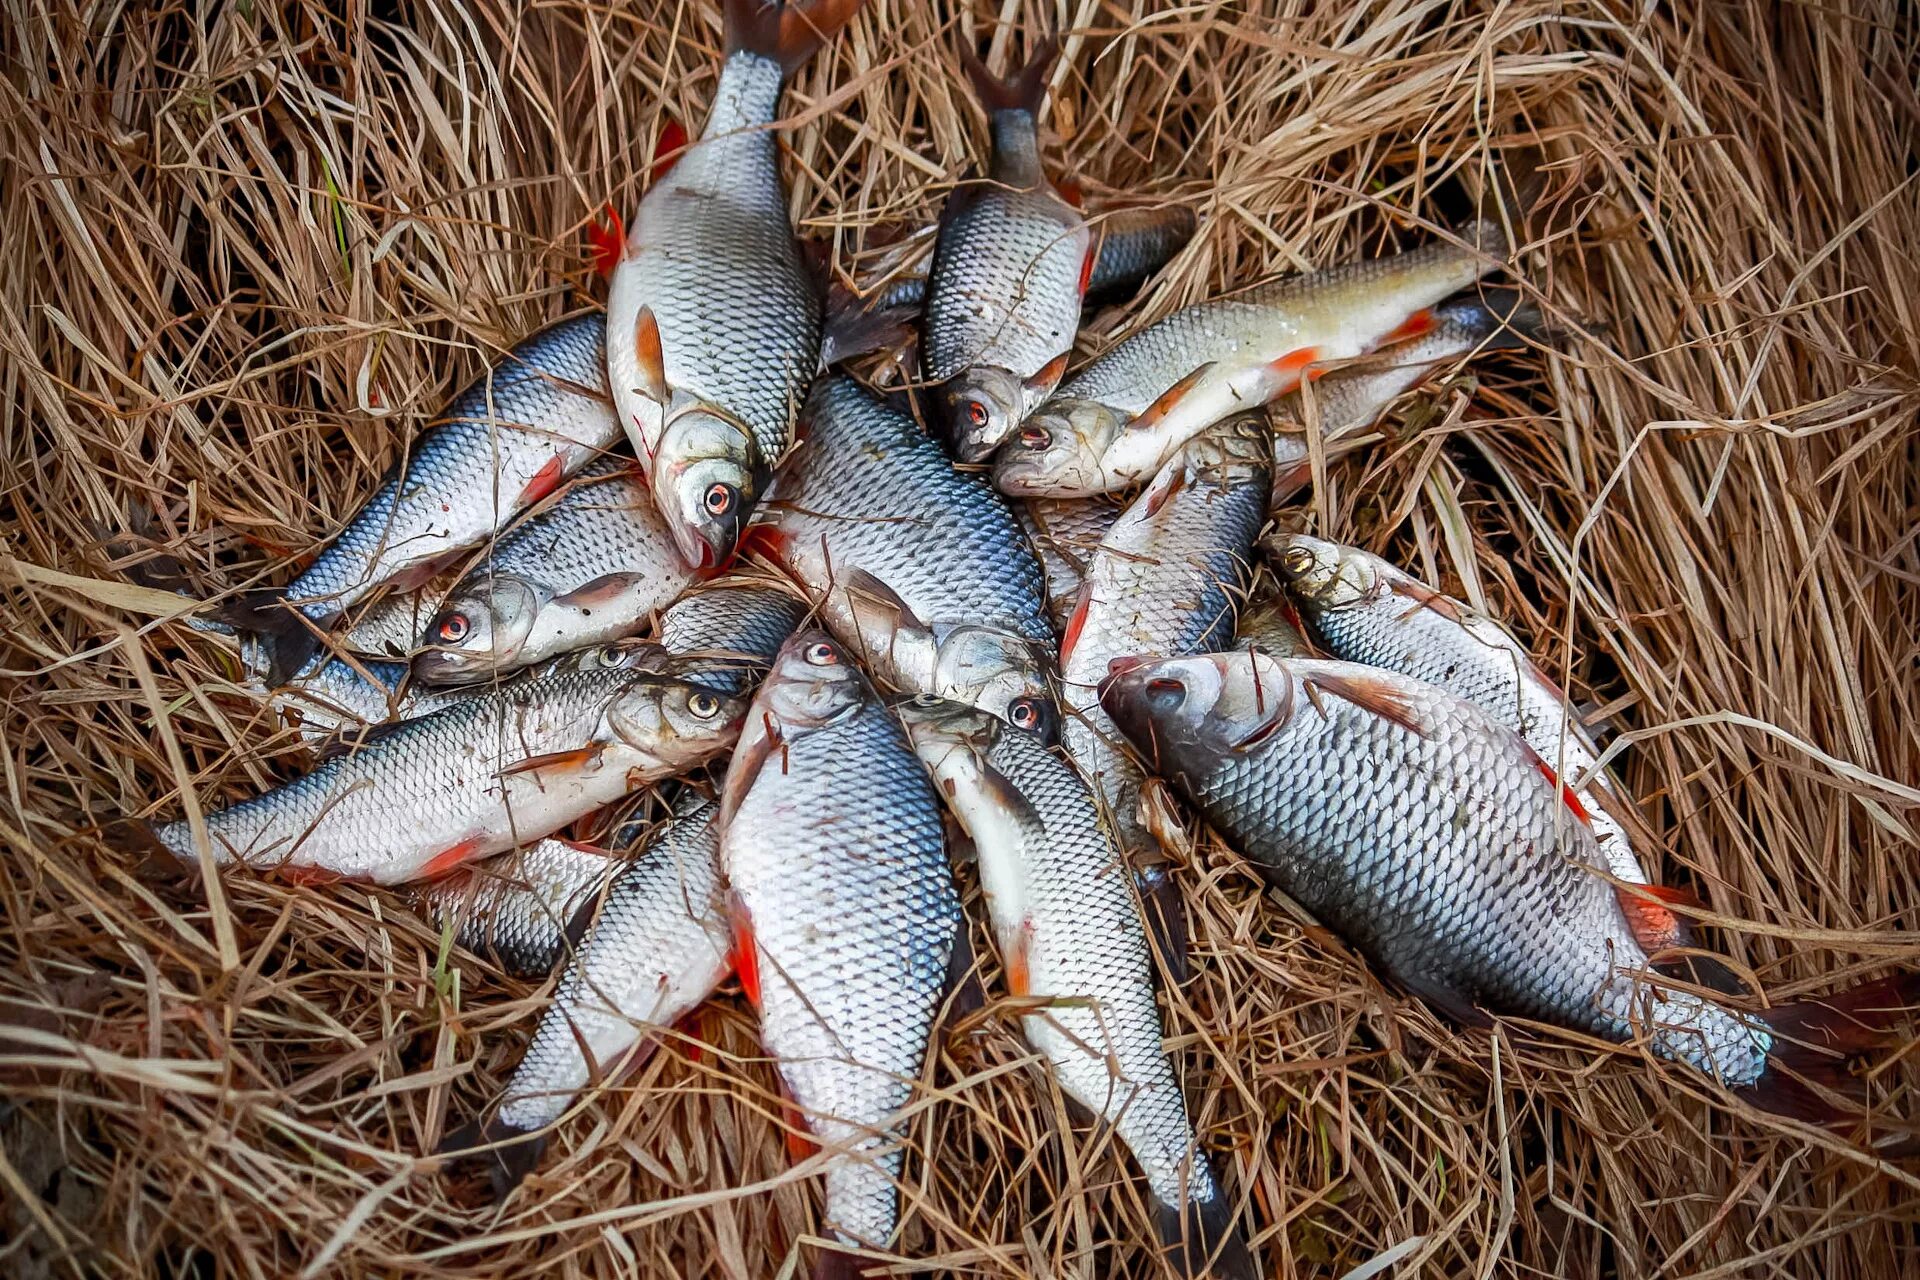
(657,949)
(713,319)
(591,568)
(844,919)
(1430,836)
(720,636)
(523,909)
(1070,931)
(418,798)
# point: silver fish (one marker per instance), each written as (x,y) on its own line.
(1064,914)
(525,908)
(713,320)
(657,949)
(1166,580)
(722,635)
(1009,271)
(1271,627)
(1065,533)
(844,917)
(590,568)
(920,569)
(418,798)
(1422,830)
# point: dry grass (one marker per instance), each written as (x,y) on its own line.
(242,259)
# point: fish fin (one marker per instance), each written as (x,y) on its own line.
(606,240)
(1169,481)
(838,1264)
(507,1163)
(580,758)
(450,859)
(1025,90)
(1201,1238)
(872,590)
(1425,597)
(1567,797)
(1019,970)
(650,357)
(607,586)
(544,481)
(1413,326)
(348,741)
(785,31)
(853,328)
(320,877)
(1164,912)
(667,149)
(1456,1005)
(1806,1076)
(1169,398)
(745,956)
(1049,375)
(1370,693)
(1135,243)
(1077,623)
(965,993)
(749,758)
(1289,371)
(1503,319)
(766,539)
(1654,926)
(793,1125)
(289,638)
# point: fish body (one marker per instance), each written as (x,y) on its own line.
(417,799)
(1117,421)
(844,915)
(1166,581)
(591,568)
(1272,627)
(721,636)
(1069,928)
(713,319)
(1064,533)
(522,909)
(920,569)
(1132,244)
(1009,270)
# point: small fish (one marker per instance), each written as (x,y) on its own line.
(1009,270)
(504,443)
(1350,400)
(713,319)
(524,909)
(844,919)
(1117,421)
(591,568)
(657,949)
(920,569)
(1064,533)
(416,799)
(1166,581)
(1064,914)
(1430,836)
(721,635)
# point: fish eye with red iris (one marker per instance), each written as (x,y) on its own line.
(822,654)
(976,413)
(1023,714)
(454,627)
(719,499)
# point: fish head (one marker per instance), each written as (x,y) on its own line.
(482,628)
(1234,452)
(981,407)
(621,655)
(1186,715)
(673,724)
(939,727)
(814,683)
(1324,576)
(707,476)
(1058,450)
(999,673)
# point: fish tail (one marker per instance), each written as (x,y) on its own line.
(785,31)
(286,635)
(1806,1076)
(1024,91)
(1510,193)
(858,326)
(509,1152)
(1201,1238)
(838,1264)
(1497,318)
(1135,243)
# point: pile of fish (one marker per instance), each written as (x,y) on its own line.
(668,551)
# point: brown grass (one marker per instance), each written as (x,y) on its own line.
(242,260)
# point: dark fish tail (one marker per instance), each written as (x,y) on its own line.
(289,638)
(1806,1076)
(837,1264)
(785,31)
(508,1152)
(1024,91)
(1499,222)
(1201,1239)
(1502,319)
(858,326)
(1135,243)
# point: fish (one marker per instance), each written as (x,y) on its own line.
(504,443)
(1117,421)
(590,568)
(1070,930)
(418,798)
(721,636)
(524,909)
(1010,267)
(713,318)
(1064,533)
(920,569)
(1349,400)
(1165,581)
(1132,244)
(1271,626)
(844,918)
(658,948)
(1437,842)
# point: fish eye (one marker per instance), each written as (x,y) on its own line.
(719,499)
(821,654)
(613,655)
(1023,713)
(704,705)
(1296,560)
(453,628)
(1035,437)
(976,413)
(926,700)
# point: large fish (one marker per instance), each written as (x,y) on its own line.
(1166,580)
(523,909)
(921,570)
(1117,421)
(713,320)
(1432,838)
(419,798)
(1060,895)
(1065,532)
(1009,271)
(591,568)
(657,949)
(844,918)
(504,443)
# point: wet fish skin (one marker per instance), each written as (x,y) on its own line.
(1271,626)
(844,915)
(1064,533)
(1134,243)
(920,569)
(721,636)
(589,569)
(418,798)
(1068,927)
(523,909)
(1165,581)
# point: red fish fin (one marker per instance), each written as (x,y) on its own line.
(1413,326)
(1807,1076)
(1172,396)
(799,1145)
(1371,693)
(1070,192)
(766,540)
(650,357)
(606,587)
(552,761)
(1087,264)
(544,481)
(1019,967)
(1286,373)
(1076,624)
(745,955)
(787,31)
(1655,927)
(1201,1238)
(1567,796)
(450,859)
(1171,479)
(1025,90)
(606,241)
(1049,376)
(667,148)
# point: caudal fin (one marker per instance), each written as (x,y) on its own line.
(1806,1076)
(838,1264)
(1500,216)
(288,637)
(1202,1239)
(785,31)
(1500,319)
(1135,243)
(1024,91)
(508,1153)
(857,326)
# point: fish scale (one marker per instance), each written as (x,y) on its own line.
(1065,532)
(520,907)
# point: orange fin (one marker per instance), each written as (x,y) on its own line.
(667,148)
(578,759)
(1412,327)
(1172,396)
(1654,927)
(1075,624)
(606,241)
(450,859)
(746,951)
(1567,796)
(650,357)
(544,481)
(1049,376)
(1286,373)
(1019,970)
(1070,192)
(1171,480)
(1087,265)
(1370,693)
(767,540)
(799,1145)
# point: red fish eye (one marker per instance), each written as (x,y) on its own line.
(976,413)
(822,654)
(718,499)
(454,627)
(1023,714)
(1035,437)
